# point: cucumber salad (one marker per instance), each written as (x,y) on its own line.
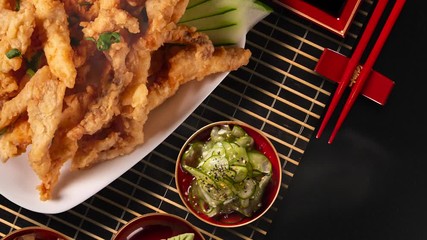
(229,174)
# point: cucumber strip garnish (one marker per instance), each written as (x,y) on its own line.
(226,22)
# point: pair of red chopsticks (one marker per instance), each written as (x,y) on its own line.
(367,67)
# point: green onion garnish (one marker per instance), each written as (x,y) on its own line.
(105,40)
(14,52)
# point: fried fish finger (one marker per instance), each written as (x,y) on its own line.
(51,18)
(44,112)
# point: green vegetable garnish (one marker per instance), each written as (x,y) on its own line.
(3,131)
(105,40)
(30,72)
(85,3)
(14,52)
(34,63)
(184,236)
(17,5)
(224,21)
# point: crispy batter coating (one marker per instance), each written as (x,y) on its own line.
(78,10)
(110,19)
(16,28)
(181,68)
(8,84)
(13,108)
(81,103)
(15,140)
(63,148)
(44,111)
(52,19)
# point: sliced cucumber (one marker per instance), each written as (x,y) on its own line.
(193,3)
(244,202)
(225,21)
(245,141)
(192,155)
(240,156)
(240,173)
(199,175)
(215,166)
(211,150)
(255,200)
(209,8)
(238,131)
(219,134)
(247,188)
(259,162)
(206,192)
(226,36)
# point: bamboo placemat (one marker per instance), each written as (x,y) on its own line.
(277,92)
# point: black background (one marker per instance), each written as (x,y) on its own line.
(370,183)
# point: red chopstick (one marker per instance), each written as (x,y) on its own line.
(353,62)
(367,67)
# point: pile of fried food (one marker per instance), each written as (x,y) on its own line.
(78,78)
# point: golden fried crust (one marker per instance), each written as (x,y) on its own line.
(64,148)
(4,4)
(181,68)
(82,12)
(110,19)
(8,84)
(89,150)
(44,112)
(15,140)
(135,94)
(12,109)
(16,28)
(223,59)
(102,111)
(51,18)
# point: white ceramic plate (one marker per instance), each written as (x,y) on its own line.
(18,182)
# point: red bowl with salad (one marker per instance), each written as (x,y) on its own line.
(228,174)
(35,233)
(155,226)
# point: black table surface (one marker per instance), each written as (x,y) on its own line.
(370,183)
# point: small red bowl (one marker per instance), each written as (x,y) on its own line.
(43,233)
(154,226)
(183,179)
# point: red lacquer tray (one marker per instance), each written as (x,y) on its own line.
(334,15)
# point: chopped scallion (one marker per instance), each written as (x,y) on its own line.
(17,5)
(30,72)
(105,40)
(85,3)
(14,52)
(34,63)
(3,131)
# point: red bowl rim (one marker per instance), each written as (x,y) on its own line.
(158,215)
(338,25)
(33,229)
(273,157)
